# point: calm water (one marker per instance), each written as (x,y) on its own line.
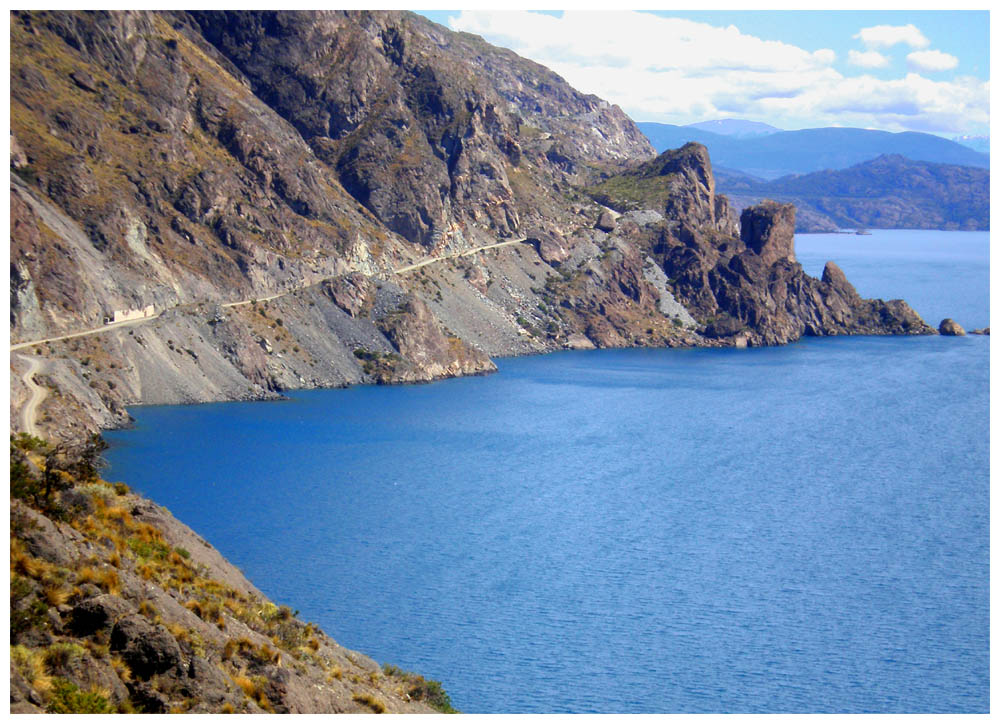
(802,528)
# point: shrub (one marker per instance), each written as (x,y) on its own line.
(421,689)
(60,655)
(31,665)
(27,611)
(67,698)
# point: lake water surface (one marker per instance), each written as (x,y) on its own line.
(792,529)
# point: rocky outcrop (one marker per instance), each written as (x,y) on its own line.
(950,328)
(423,126)
(424,352)
(768,230)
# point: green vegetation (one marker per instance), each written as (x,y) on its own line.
(631,191)
(67,698)
(421,689)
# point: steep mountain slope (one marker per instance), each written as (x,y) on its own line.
(117,606)
(813,149)
(889,192)
(321,199)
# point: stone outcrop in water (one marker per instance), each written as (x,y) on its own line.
(745,285)
(950,328)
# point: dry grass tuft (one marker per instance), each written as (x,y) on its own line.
(371,702)
(122,669)
(105,578)
(31,665)
(57,595)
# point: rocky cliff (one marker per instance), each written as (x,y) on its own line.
(327,198)
(745,289)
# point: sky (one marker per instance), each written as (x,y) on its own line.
(895,70)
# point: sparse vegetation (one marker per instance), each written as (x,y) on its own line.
(421,689)
(371,702)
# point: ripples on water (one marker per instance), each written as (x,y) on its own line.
(801,528)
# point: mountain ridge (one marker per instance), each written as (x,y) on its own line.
(889,192)
(814,149)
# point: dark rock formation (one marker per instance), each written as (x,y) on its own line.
(984,330)
(949,327)
(147,648)
(98,613)
(768,231)
(754,287)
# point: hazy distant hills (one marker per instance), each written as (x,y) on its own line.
(735,127)
(889,192)
(976,143)
(800,152)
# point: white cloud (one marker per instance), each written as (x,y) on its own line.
(679,71)
(886,36)
(867,59)
(931,60)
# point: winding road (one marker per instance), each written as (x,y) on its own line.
(38,393)
(143,320)
(36,365)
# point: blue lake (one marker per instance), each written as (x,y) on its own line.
(792,529)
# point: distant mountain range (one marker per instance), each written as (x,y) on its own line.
(888,192)
(735,127)
(815,149)
(976,143)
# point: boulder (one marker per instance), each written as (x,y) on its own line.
(94,614)
(949,327)
(606,222)
(84,80)
(551,248)
(579,341)
(984,330)
(147,648)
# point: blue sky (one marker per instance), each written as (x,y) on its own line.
(893,70)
